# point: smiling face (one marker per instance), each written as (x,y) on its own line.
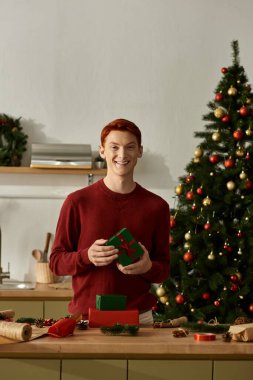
(121,152)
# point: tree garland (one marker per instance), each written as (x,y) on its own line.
(12,141)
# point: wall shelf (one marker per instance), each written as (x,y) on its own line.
(29,170)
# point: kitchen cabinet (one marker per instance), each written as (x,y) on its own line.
(170,369)
(33,309)
(36,309)
(28,369)
(233,370)
(55,309)
(94,369)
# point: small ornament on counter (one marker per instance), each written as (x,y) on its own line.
(180,333)
(39,323)
(226,337)
(82,324)
(170,323)
(119,329)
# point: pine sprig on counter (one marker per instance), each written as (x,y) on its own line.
(206,327)
(119,329)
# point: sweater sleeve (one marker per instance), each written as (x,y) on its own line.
(160,252)
(65,258)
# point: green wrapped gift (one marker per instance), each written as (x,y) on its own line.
(110,302)
(129,250)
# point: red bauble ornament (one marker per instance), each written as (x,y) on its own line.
(234,287)
(216,303)
(200,191)
(224,70)
(247,157)
(238,134)
(219,97)
(248,185)
(244,111)
(207,226)
(189,178)
(206,296)
(229,163)
(234,278)
(251,307)
(188,257)
(189,195)
(180,299)
(154,308)
(214,159)
(194,207)
(239,234)
(226,119)
(200,321)
(228,248)
(173,222)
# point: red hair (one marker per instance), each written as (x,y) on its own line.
(121,125)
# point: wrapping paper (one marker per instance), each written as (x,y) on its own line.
(242,333)
(16,331)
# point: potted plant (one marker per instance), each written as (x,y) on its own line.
(99,162)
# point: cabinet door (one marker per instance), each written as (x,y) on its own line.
(33,309)
(94,369)
(29,369)
(56,309)
(169,369)
(233,370)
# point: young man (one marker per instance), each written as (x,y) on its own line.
(90,216)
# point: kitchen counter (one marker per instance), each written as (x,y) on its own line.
(41,292)
(150,343)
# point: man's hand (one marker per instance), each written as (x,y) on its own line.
(141,266)
(100,254)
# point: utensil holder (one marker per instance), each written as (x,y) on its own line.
(44,275)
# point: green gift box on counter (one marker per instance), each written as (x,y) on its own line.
(110,302)
(129,250)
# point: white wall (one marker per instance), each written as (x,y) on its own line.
(70,66)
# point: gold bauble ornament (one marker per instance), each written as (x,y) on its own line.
(248,101)
(164,299)
(187,245)
(239,275)
(179,189)
(216,136)
(240,152)
(219,112)
(187,236)
(243,175)
(196,160)
(231,185)
(198,152)
(248,132)
(211,256)
(206,201)
(239,251)
(232,91)
(160,292)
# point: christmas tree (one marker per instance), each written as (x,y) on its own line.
(212,219)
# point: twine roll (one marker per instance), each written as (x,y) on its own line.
(16,331)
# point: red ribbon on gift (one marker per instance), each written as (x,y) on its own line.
(126,246)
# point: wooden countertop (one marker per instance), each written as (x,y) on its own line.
(150,343)
(41,292)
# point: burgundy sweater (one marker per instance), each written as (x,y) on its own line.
(96,212)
